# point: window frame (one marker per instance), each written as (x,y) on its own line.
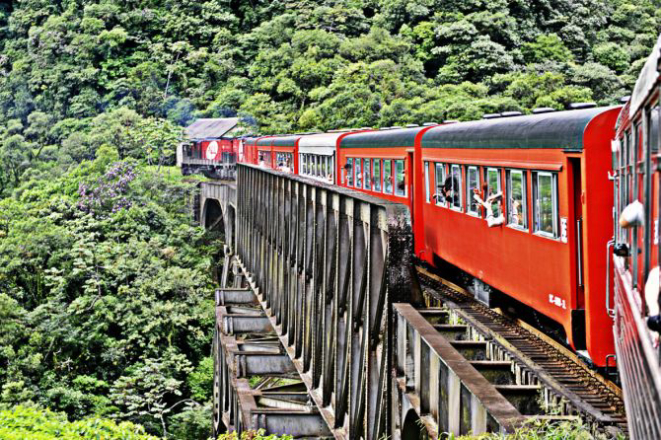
(358,164)
(427,191)
(524,198)
(349,172)
(469,191)
(388,162)
(455,191)
(499,179)
(367,174)
(439,166)
(377,187)
(396,183)
(555,212)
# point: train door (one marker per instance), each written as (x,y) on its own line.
(576,222)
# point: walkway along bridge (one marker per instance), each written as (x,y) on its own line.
(322,330)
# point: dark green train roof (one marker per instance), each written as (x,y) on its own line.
(279,141)
(562,130)
(397,137)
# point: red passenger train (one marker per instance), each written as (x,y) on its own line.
(514,205)
(494,198)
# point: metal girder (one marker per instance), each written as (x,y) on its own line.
(438,381)
(326,264)
(255,383)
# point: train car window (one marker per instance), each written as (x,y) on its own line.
(545,202)
(455,185)
(440,180)
(331,167)
(400,180)
(349,171)
(359,173)
(493,187)
(472,183)
(517,213)
(377,175)
(387,176)
(367,182)
(427,197)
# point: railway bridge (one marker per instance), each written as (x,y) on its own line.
(323,329)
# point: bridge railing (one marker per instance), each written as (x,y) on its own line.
(327,264)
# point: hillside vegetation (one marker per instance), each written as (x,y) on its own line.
(105,303)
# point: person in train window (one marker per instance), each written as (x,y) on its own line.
(348,170)
(488,205)
(448,191)
(517,219)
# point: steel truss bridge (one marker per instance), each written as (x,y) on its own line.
(322,329)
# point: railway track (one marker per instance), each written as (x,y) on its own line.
(581,390)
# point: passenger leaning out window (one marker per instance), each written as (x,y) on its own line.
(449,192)
(492,201)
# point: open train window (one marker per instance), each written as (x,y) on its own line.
(472,183)
(377,175)
(387,176)
(492,178)
(455,185)
(349,171)
(359,173)
(427,196)
(440,180)
(517,212)
(545,203)
(368,176)
(400,178)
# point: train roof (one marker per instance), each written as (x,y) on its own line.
(285,141)
(562,130)
(322,143)
(278,141)
(390,138)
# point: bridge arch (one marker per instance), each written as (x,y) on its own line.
(212,215)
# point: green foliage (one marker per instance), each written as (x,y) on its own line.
(21,422)
(546,48)
(252,435)
(104,304)
(536,429)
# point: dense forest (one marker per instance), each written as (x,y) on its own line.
(106,309)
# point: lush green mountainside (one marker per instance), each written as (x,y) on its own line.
(104,281)
(313,64)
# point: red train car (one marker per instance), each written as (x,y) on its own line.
(284,153)
(278,152)
(635,305)
(379,162)
(549,250)
(251,149)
